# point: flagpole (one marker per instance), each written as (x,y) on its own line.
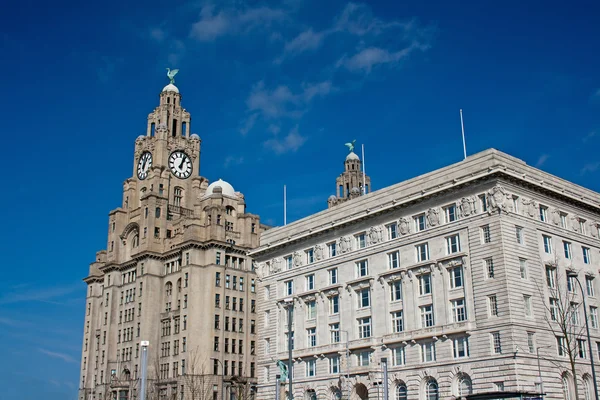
(284,206)
(462,125)
(364,173)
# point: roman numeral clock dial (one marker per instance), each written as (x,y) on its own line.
(180,164)
(144,165)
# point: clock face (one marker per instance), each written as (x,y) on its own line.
(180,164)
(144,165)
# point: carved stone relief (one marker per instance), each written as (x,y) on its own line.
(375,234)
(575,223)
(498,199)
(555,216)
(319,252)
(297,257)
(433,217)
(466,206)
(530,207)
(345,244)
(276,265)
(404,226)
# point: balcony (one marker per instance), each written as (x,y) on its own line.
(170,314)
(185,212)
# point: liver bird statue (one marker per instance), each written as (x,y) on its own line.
(350,146)
(171,75)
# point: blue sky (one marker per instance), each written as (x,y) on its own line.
(275,90)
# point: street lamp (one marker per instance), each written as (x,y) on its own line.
(573,274)
(222,377)
(540,368)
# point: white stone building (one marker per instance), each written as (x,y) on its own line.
(448,275)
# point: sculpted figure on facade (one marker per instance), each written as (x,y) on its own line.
(375,234)
(555,216)
(319,252)
(595,229)
(433,217)
(345,244)
(297,257)
(575,223)
(276,265)
(530,207)
(498,199)
(466,206)
(404,225)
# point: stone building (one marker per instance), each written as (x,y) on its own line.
(175,273)
(351,183)
(450,276)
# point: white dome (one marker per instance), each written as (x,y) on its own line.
(170,88)
(352,156)
(226,188)
(194,136)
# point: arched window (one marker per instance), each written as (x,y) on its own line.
(587,392)
(566,387)
(431,390)
(136,241)
(168,288)
(401,392)
(465,386)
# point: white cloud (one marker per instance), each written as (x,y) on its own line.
(233,161)
(590,167)
(358,19)
(62,356)
(248,124)
(367,58)
(307,40)
(213,25)
(290,143)
(542,160)
(274,129)
(158,34)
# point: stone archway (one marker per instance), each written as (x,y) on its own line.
(360,392)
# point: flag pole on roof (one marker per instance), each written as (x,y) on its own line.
(462,125)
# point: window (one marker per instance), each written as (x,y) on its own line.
(460,347)
(311,367)
(594,317)
(422,252)
(459,311)
(452,244)
(288,262)
(450,213)
(311,309)
(311,337)
(581,345)
(218,279)
(241,286)
(217,300)
(310,256)
(572,284)
(428,352)
(589,284)
(582,226)
(399,358)
(334,332)
(361,240)
(392,231)
(393,260)
(362,268)
(554,310)
(567,249)
(547,244)
(289,288)
(427,316)
(419,222)
(396,290)
(530,342)
(496,343)
(216,343)
(397,322)
(334,365)
(493,305)
(227,281)
(486,236)
(561,346)
(586,255)
(310,282)
(482,202)
(333,276)
(364,359)
(334,305)
(523,268)
(456,277)
(489,267)
(364,298)
(527,305)
(364,327)
(519,233)
(218,258)
(515,203)
(424,284)
(217,321)
(252,286)
(575,313)
(332,248)
(551,276)
(543,213)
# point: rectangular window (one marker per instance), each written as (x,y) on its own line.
(311,337)
(581,346)
(450,213)
(496,343)
(554,310)
(527,305)
(515,203)
(289,288)
(397,322)
(334,365)
(419,222)
(489,267)
(551,276)
(543,213)
(589,284)
(571,284)
(486,236)
(362,268)
(531,342)
(396,290)
(563,220)
(332,247)
(547,244)
(311,367)
(586,255)
(310,256)
(364,327)
(482,202)
(460,347)
(567,249)
(334,332)
(361,240)
(456,277)
(393,260)
(561,346)
(310,282)
(364,358)
(422,252)
(519,234)
(311,309)
(288,262)
(364,298)
(392,231)
(493,305)
(428,352)
(594,317)
(333,276)
(523,268)
(424,284)
(427,319)
(459,310)
(452,244)
(582,226)
(334,305)
(398,356)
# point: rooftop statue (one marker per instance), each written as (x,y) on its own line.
(171,75)
(350,146)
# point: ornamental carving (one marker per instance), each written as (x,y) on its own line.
(345,244)
(555,216)
(433,217)
(375,234)
(404,226)
(575,223)
(596,229)
(276,265)
(297,258)
(498,199)
(530,207)
(466,206)
(319,252)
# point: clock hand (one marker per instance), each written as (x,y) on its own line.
(181,163)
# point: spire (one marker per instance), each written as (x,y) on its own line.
(349,184)
(169,118)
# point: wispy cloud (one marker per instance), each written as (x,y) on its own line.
(368,58)
(289,143)
(590,168)
(62,356)
(9,322)
(175,49)
(307,40)
(542,160)
(248,123)
(358,19)
(49,294)
(589,136)
(232,161)
(213,24)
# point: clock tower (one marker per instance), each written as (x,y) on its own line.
(175,273)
